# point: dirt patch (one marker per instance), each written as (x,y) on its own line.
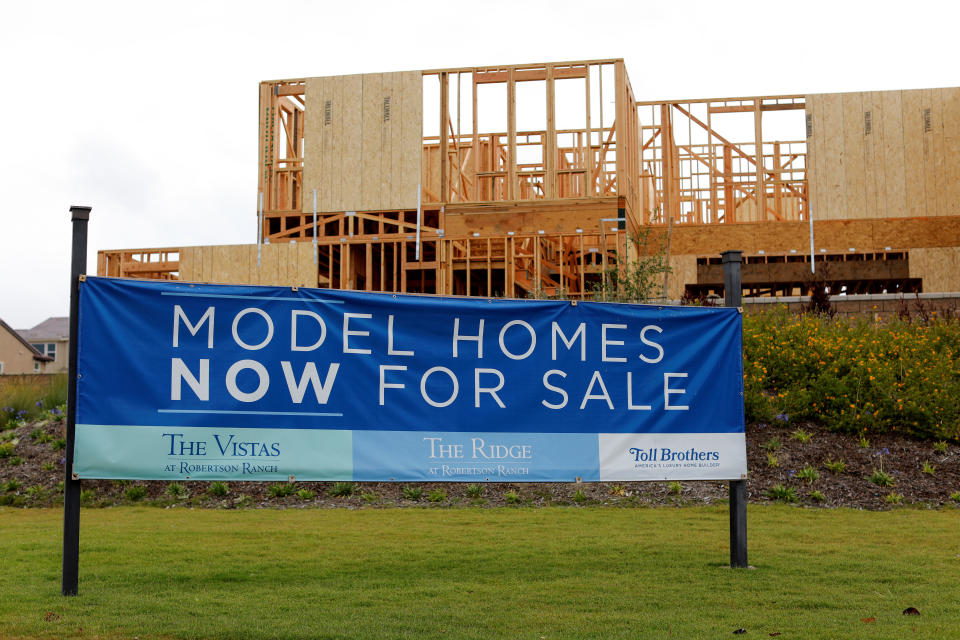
(31,475)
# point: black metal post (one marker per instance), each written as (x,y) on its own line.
(71,484)
(733,297)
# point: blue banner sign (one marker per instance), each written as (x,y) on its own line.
(182,381)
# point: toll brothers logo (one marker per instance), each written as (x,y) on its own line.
(665,457)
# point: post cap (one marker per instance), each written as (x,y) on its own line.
(732,256)
(80,213)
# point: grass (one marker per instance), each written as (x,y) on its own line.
(29,401)
(554,572)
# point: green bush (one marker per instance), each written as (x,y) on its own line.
(412,493)
(135,493)
(512,497)
(854,377)
(218,489)
(282,490)
(782,493)
(341,489)
(475,490)
(437,495)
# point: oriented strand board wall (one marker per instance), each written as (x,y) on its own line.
(683,270)
(363,138)
(285,265)
(938,267)
(884,154)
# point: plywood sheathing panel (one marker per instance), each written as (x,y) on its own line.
(351,141)
(951,152)
(288,264)
(913,166)
(363,141)
(939,268)
(854,171)
(835,236)
(932,109)
(528,217)
(814,164)
(683,270)
(893,154)
(832,181)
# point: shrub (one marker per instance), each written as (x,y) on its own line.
(837,467)
(59,444)
(176,490)
(773,444)
(437,495)
(578,496)
(412,492)
(782,493)
(512,497)
(135,493)
(675,488)
(15,461)
(86,496)
(474,490)
(772,461)
(306,494)
(218,489)
(817,496)
(808,473)
(893,498)
(928,468)
(854,376)
(955,496)
(801,436)
(6,450)
(282,490)
(618,490)
(11,485)
(368,496)
(940,447)
(881,478)
(48,466)
(341,489)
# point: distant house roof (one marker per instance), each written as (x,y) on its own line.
(16,334)
(49,329)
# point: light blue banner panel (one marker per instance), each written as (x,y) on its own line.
(175,453)
(389,370)
(475,457)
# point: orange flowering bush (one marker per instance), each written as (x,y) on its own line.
(854,376)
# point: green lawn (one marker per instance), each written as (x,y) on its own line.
(557,572)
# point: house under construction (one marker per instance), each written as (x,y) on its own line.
(536,179)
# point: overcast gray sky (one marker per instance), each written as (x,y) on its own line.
(148,111)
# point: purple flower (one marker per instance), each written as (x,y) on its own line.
(791,473)
(56,411)
(762,425)
(39,403)
(782,417)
